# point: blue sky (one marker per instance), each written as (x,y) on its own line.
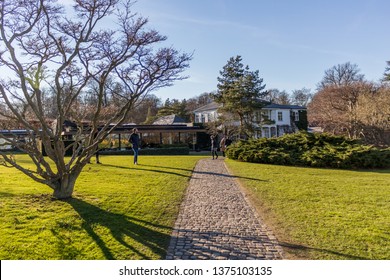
(291,43)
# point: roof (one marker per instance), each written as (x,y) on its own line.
(283,106)
(169,120)
(214,106)
(208,107)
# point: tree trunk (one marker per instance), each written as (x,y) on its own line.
(64,186)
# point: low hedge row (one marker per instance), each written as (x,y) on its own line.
(306,149)
(150,151)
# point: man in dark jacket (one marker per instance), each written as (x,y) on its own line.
(135,141)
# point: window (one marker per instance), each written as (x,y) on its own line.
(266,132)
(280,116)
(295,116)
(273,131)
(265,115)
(209,117)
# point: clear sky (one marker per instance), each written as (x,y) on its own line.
(290,42)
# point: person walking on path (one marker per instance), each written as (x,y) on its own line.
(214,146)
(217,222)
(222,145)
(135,142)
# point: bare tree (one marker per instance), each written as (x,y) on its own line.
(335,108)
(278,97)
(341,75)
(374,115)
(145,110)
(301,97)
(77,55)
(335,105)
(360,110)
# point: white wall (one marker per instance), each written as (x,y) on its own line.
(286,117)
(208,116)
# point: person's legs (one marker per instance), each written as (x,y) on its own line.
(135,156)
(214,153)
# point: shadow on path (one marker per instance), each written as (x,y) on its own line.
(150,170)
(199,172)
(122,228)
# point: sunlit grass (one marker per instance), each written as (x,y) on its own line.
(322,213)
(118,211)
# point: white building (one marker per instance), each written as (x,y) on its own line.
(207,113)
(274,119)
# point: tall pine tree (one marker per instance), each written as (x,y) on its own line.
(240,91)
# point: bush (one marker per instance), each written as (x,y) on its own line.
(150,151)
(306,149)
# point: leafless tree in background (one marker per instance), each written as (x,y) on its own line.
(347,104)
(374,114)
(301,97)
(68,62)
(279,97)
(341,75)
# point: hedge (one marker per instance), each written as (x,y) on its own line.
(150,151)
(307,149)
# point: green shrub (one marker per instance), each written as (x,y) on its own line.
(306,149)
(150,151)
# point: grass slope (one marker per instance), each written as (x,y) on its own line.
(119,211)
(322,213)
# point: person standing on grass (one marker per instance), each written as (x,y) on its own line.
(222,145)
(135,142)
(214,146)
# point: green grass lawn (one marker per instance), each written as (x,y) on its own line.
(118,211)
(322,213)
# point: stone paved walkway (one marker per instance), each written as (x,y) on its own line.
(216,221)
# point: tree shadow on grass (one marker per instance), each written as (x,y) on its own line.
(147,236)
(183,169)
(382,171)
(305,249)
(138,168)
(5,194)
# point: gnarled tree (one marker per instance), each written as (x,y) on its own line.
(95,58)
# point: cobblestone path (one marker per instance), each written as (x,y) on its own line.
(216,222)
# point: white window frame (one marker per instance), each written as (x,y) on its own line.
(295,115)
(266,132)
(280,116)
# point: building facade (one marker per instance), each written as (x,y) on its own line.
(273,120)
